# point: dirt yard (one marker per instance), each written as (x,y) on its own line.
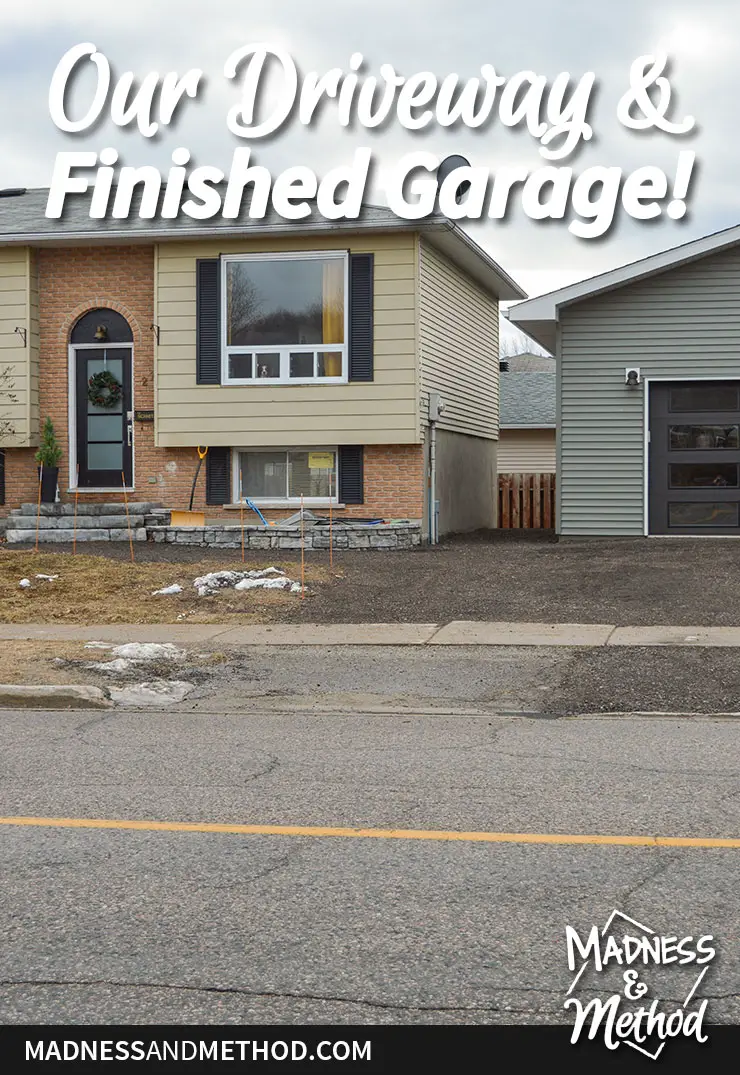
(110,589)
(482,576)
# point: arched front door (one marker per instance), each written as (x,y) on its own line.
(101,344)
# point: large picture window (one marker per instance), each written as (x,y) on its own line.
(280,477)
(284,318)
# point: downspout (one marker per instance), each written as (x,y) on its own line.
(433,513)
(436,407)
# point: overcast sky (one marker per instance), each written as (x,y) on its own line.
(702,38)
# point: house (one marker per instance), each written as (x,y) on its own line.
(303,355)
(526,441)
(648,392)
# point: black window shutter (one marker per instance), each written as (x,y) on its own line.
(208,320)
(351,478)
(2,477)
(218,476)
(361,317)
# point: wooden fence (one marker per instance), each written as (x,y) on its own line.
(526,501)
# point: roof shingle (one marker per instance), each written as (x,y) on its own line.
(528,399)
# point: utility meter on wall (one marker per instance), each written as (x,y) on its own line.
(436,407)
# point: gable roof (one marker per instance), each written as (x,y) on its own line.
(539,316)
(23,222)
(527,399)
(529,363)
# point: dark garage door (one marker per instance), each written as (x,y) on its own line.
(694,468)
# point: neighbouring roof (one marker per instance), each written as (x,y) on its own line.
(23,222)
(529,363)
(527,399)
(539,316)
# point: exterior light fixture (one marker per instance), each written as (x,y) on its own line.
(101,333)
(632,377)
(447,167)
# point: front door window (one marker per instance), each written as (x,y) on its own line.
(104,430)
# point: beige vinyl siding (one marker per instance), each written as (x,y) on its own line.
(459,346)
(684,322)
(384,411)
(33,346)
(15,311)
(526,451)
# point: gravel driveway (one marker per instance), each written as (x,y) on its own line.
(490,576)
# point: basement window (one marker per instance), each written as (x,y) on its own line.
(276,477)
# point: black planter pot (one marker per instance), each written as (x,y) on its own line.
(49,480)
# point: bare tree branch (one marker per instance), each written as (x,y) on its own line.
(7,398)
(516,342)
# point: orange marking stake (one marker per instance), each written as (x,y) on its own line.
(128,518)
(241,509)
(303,554)
(74,525)
(331,518)
(38,506)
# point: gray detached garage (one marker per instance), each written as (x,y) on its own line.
(648,393)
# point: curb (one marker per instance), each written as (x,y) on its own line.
(15,696)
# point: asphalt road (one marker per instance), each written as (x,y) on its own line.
(113,925)
(546,680)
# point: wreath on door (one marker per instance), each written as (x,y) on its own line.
(104,390)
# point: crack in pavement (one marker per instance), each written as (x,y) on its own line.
(281,864)
(665,863)
(80,729)
(270,767)
(572,761)
(332,998)
(277,995)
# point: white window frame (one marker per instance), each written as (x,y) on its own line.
(284,350)
(282,502)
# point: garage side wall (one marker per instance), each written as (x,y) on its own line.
(458,336)
(684,323)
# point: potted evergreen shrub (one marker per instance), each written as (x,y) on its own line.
(48,457)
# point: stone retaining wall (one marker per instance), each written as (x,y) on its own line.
(150,522)
(358,536)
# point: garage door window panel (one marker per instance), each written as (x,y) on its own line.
(703,475)
(702,514)
(697,438)
(705,397)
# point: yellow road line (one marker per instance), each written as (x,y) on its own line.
(378,834)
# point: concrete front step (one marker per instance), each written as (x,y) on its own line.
(135,507)
(67,522)
(13,537)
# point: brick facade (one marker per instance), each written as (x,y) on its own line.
(72,281)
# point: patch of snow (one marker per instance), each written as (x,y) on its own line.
(209,584)
(155,692)
(47,578)
(295,587)
(149,651)
(131,654)
(264,584)
(24,584)
(111,668)
(166,590)
(98,645)
(215,580)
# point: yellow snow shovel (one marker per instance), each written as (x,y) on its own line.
(190,517)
